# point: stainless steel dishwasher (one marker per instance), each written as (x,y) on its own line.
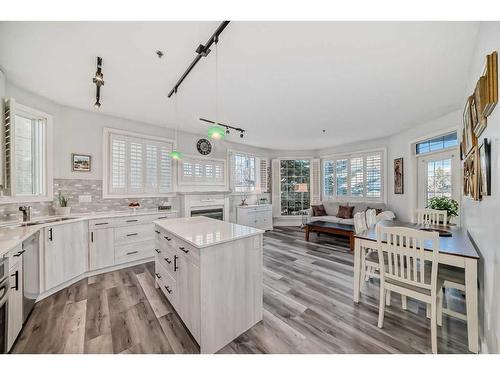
(31,274)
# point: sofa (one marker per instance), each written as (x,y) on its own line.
(332,207)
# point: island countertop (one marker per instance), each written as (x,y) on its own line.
(202,231)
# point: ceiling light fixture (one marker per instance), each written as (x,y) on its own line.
(222,126)
(174,154)
(216,131)
(99,81)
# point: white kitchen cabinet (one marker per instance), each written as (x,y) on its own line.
(15,311)
(256,216)
(188,293)
(66,252)
(101,251)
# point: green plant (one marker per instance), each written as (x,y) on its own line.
(444,203)
(63,201)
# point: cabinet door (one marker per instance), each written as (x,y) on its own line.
(15,310)
(66,249)
(101,248)
(264,220)
(188,295)
(246,217)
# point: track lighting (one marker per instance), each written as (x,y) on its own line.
(241,135)
(99,81)
(227,130)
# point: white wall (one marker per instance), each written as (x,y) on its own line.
(81,132)
(481,218)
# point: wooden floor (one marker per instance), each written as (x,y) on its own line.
(308,308)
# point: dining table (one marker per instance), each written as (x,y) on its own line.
(456,250)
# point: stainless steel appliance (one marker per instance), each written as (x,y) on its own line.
(4,297)
(31,274)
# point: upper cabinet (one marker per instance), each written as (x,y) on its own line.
(26,154)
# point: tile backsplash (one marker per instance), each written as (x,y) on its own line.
(90,189)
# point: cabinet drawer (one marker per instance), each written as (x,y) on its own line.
(167,260)
(205,200)
(134,251)
(133,220)
(101,223)
(184,249)
(134,233)
(166,283)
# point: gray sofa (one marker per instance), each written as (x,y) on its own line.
(332,208)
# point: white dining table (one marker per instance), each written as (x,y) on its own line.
(457,250)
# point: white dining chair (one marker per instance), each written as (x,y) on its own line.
(408,269)
(371,217)
(359,222)
(371,257)
(428,216)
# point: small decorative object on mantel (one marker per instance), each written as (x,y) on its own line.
(204,146)
(398,176)
(471,175)
(81,163)
(63,209)
(485,161)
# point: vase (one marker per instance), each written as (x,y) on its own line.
(62,211)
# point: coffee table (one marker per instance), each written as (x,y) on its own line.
(345,230)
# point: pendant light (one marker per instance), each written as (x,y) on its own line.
(216,131)
(174,154)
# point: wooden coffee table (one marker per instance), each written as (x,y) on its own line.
(345,230)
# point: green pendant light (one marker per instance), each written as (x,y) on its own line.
(216,131)
(174,154)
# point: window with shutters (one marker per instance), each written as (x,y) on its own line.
(358,176)
(249,173)
(202,171)
(136,165)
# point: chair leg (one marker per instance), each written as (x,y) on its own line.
(363,264)
(381,307)
(428,311)
(434,328)
(439,309)
(403,302)
(388,298)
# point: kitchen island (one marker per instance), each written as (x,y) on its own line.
(211,272)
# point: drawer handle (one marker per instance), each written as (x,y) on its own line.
(168,290)
(132,252)
(168,260)
(101,224)
(158,251)
(132,221)
(162,217)
(175,263)
(158,275)
(19,253)
(132,234)
(157,231)
(167,238)
(183,249)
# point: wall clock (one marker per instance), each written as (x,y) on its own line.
(204,147)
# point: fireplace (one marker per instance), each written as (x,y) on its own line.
(213,213)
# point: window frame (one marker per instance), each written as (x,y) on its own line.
(106,168)
(350,155)
(204,161)
(257,159)
(47,170)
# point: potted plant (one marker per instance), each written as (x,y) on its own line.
(63,209)
(446,204)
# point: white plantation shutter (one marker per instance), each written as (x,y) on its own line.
(138,166)
(275,172)
(315,181)
(374,175)
(357,177)
(264,175)
(201,171)
(244,173)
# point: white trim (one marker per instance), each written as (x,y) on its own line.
(230,182)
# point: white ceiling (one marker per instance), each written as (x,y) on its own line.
(284,82)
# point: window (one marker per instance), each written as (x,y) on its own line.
(438,143)
(358,176)
(202,171)
(137,165)
(294,186)
(27,154)
(244,173)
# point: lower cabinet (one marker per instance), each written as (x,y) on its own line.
(256,216)
(66,252)
(15,310)
(101,248)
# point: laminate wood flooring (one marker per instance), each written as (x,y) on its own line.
(308,308)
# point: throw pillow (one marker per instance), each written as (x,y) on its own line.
(345,212)
(377,210)
(318,210)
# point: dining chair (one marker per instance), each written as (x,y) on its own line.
(371,217)
(370,258)
(430,216)
(408,269)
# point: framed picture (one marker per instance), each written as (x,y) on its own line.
(479,103)
(471,182)
(469,137)
(398,176)
(81,163)
(485,163)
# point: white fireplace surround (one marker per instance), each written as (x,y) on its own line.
(204,201)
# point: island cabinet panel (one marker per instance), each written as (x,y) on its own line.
(217,289)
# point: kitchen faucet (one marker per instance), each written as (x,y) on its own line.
(26,210)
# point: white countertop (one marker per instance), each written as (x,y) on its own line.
(202,231)
(12,236)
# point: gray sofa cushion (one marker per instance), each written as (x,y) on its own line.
(331,208)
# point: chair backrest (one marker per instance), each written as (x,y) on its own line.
(359,222)
(430,216)
(402,256)
(371,217)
